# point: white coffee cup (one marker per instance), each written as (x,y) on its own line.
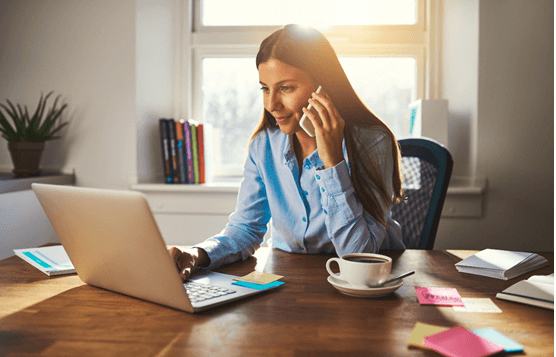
(362,270)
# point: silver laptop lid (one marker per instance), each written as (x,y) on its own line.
(114,242)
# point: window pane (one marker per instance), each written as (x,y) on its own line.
(232,103)
(314,13)
(386,85)
(232,100)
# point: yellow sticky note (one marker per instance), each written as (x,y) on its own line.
(420,331)
(260,278)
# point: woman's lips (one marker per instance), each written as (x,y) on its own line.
(281,119)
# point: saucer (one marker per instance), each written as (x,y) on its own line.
(345,288)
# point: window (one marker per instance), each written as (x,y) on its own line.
(382,46)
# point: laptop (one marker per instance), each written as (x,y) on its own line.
(114,243)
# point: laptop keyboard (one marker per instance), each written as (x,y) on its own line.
(202,292)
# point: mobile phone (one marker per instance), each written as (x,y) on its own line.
(305,122)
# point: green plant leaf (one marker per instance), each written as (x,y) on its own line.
(35,120)
(7,128)
(35,128)
(54,131)
(18,122)
(50,120)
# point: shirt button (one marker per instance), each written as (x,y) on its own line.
(325,212)
(322,189)
(318,177)
(304,219)
(307,167)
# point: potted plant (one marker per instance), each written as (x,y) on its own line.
(28,134)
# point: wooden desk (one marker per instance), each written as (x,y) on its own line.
(61,316)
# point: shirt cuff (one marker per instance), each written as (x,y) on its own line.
(334,180)
(210,247)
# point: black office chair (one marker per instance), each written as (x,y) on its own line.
(427,168)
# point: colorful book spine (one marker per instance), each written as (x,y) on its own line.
(173,152)
(195,151)
(201,144)
(182,164)
(188,151)
(165,145)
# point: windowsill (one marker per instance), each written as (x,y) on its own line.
(228,185)
(463,200)
(10,183)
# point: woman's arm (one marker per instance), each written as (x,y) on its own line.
(350,227)
(248,224)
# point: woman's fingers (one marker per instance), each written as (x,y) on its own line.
(330,119)
(329,130)
(183,260)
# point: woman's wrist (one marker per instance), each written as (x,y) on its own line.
(201,257)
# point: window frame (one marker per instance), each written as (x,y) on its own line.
(419,41)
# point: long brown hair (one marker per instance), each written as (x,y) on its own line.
(307,49)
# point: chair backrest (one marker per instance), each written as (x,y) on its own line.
(426,168)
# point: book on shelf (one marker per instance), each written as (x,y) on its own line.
(187,151)
(538,291)
(165,144)
(180,152)
(195,151)
(50,260)
(501,264)
(201,146)
(173,152)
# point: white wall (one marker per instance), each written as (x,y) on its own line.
(499,64)
(28,225)
(155,80)
(498,78)
(84,50)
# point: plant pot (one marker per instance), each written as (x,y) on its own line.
(26,157)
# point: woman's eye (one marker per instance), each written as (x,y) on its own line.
(264,89)
(287,88)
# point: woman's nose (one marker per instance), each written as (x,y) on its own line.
(273,102)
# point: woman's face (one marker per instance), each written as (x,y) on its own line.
(286,90)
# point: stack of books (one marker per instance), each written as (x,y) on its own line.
(186,151)
(501,264)
(538,290)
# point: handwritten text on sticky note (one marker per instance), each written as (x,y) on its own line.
(438,296)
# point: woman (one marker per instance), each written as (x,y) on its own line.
(331,193)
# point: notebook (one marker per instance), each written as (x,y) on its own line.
(538,290)
(114,243)
(50,260)
(501,264)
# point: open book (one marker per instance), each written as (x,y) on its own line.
(538,290)
(501,264)
(50,260)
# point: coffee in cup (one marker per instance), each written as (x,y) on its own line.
(362,270)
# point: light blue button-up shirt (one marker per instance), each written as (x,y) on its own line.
(315,211)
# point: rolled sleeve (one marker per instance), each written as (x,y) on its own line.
(336,189)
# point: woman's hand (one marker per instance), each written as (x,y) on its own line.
(329,129)
(187,260)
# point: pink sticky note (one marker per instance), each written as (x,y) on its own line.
(439,296)
(459,342)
